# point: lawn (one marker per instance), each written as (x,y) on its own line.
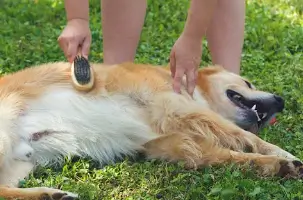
(272,59)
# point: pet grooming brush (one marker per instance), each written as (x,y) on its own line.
(82,73)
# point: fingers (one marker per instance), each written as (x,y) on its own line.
(72,46)
(177,82)
(177,74)
(69,47)
(191,77)
(63,43)
(72,50)
(172,61)
(86,47)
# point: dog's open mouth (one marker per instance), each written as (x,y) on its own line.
(249,105)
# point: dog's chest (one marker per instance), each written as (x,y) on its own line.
(63,110)
(66,123)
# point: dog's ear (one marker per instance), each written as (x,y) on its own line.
(211,69)
(204,74)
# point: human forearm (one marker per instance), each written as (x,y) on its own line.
(77,9)
(199,16)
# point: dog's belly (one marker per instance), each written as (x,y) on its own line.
(63,123)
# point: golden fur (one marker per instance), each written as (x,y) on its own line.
(199,131)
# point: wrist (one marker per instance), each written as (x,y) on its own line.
(198,18)
(77,9)
(192,34)
(78,20)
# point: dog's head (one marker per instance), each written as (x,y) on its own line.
(236,99)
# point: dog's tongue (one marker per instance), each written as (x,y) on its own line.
(254,129)
(273,121)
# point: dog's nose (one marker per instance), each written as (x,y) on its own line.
(279,103)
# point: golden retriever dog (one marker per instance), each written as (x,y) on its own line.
(132,108)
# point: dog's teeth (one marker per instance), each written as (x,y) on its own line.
(255,110)
(264,115)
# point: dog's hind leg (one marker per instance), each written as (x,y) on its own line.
(197,151)
(18,170)
(38,193)
(172,113)
(14,171)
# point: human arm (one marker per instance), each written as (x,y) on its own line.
(186,53)
(76,34)
(199,16)
(77,9)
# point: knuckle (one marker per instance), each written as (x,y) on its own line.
(69,54)
(191,78)
(61,39)
(178,78)
(72,38)
(192,81)
(69,38)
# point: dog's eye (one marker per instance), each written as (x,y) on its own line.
(237,97)
(248,84)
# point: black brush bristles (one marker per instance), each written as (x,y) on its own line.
(82,72)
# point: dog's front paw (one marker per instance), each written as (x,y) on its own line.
(284,154)
(43,193)
(60,195)
(23,151)
(291,169)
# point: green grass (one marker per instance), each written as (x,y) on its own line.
(272,59)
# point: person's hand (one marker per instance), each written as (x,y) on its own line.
(75,36)
(185,59)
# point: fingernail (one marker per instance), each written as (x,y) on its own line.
(177,91)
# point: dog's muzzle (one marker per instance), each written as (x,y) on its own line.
(258,111)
